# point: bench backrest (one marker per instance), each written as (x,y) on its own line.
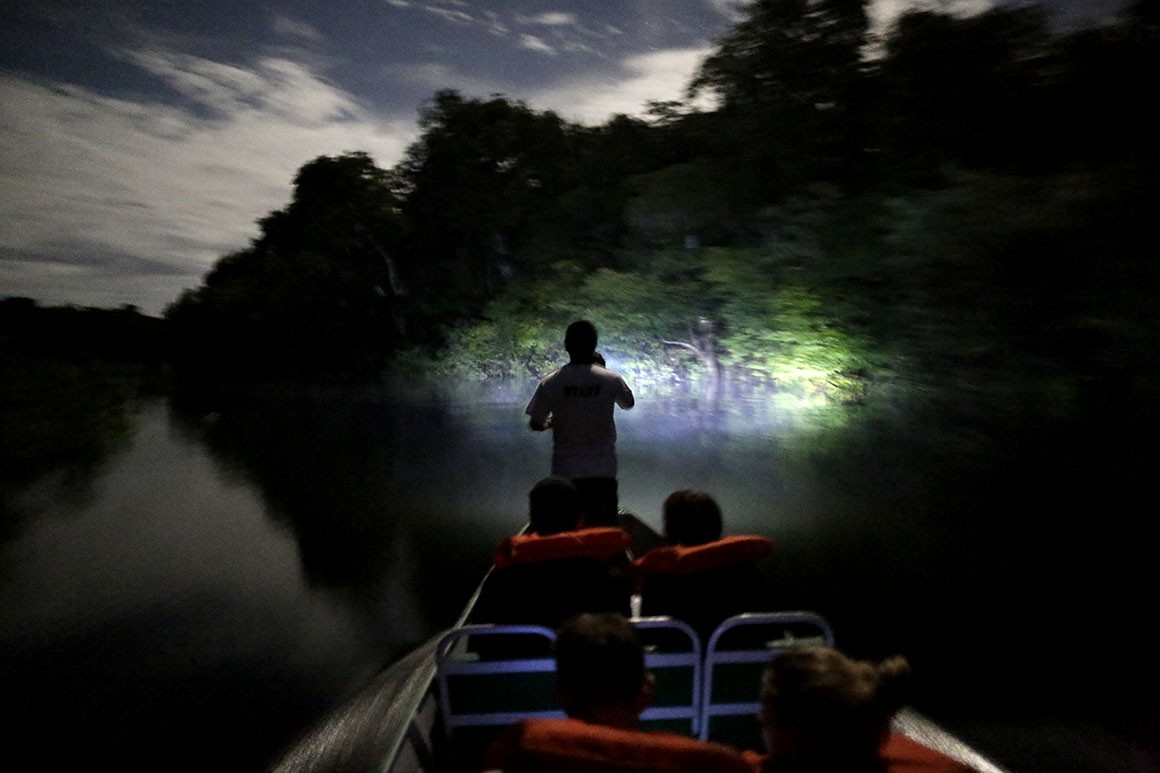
(672,654)
(735,658)
(481,692)
(477,690)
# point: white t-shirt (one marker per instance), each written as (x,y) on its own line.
(580,400)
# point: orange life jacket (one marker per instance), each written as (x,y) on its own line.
(599,543)
(685,559)
(573,746)
(901,754)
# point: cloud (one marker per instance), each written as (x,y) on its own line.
(85,176)
(656,76)
(292,28)
(449,14)
(533,43)
(733,10)
(551,19)
(495,25)
(434,76)
(589,98)
(883,13)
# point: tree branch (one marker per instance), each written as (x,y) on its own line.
(684,345)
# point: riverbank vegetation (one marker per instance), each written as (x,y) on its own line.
(963,202)
(959,207)
(69,379)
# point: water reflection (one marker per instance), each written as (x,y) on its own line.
(245,559)
(155,624)
(357,479)
(60,419)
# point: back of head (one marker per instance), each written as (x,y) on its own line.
(691,517)
(580,340)
(553,506)
(821,709)
(600,668)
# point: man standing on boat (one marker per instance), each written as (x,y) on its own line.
(576,403)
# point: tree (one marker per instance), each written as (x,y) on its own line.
(1105,79)
(473,181)
(966,90)
(790,80)
(318,292)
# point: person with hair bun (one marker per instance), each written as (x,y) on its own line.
(823,711)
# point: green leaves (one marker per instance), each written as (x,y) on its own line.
(673,316)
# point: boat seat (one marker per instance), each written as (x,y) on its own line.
(672,654)
(736,655)
(480,695)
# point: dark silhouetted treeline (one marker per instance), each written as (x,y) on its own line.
(316,293)
(502,222)
(122,335)
(68,382)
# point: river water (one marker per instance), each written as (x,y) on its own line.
(231,569)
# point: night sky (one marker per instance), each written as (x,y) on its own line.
(142,139)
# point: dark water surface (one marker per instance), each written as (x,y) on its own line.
(236,567)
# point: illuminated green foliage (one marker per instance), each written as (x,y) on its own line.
(678,317)
(815,235)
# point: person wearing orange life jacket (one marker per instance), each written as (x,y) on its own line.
(823,711)
(603,687)
(555,569)
(699,576)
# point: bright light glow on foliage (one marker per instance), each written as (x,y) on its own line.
(726,330)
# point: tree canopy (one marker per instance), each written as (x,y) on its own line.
(769,239)
(319,291)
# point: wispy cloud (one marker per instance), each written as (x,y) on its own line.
(730,9)
(590,98)
(495,24)
(434,76)
(450,14)
(533,43)
(567,28)
(551,19)
(883,13)
(292,28)
(658,76)
(111,200)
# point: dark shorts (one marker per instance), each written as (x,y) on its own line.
(599,501)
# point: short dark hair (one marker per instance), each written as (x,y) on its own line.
(599,660)
(553,506)
(691,517)
(580,338)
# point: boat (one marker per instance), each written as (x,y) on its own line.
(413,716)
